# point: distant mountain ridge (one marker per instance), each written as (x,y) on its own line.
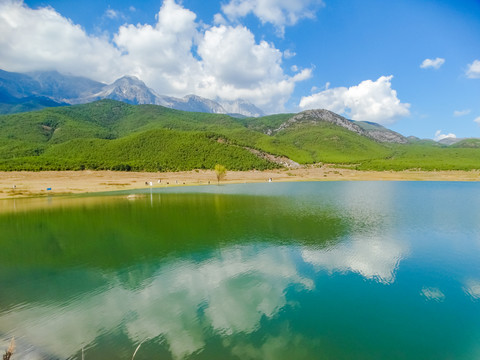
(368,129)
(35,87)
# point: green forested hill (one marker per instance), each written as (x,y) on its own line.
(113,135)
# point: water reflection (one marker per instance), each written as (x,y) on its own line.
(298,271)
(472,288)
(432,293)
(372,257)
(229,292)
(233,290)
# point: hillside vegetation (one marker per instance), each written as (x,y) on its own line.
(113,135)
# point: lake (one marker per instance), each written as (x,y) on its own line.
(313,270)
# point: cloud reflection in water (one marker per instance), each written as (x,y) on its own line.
(235,289)
(373,258)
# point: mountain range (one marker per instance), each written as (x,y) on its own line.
(44,89)
(114,135)
(37,90)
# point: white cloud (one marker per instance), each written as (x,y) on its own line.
(113,14)
(458,113)
(473,70)
(42,39)
(302,75)
(218,19)
(432,63)
(231,54)
(235,66)
(175,56)
(477,120)
(368,101)
(288,54)
(279,13)
(161,54)
(439,136)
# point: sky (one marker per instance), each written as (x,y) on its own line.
(410,65)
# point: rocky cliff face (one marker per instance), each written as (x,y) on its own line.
(368,129)
(387,136)
(381,134)
(128,89)
(315,116)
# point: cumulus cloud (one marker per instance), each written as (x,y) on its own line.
(236,66)
(176,56)
(477,120)
(473,70)
(279,13)
(458,113)
(368,101)
(218,19)
(42,39)
(432,63)
(439,136)
(161,54)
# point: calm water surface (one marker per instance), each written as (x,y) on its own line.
(325,270)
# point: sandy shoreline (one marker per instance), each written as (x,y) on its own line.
(28,184)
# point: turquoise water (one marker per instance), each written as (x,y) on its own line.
(320,270)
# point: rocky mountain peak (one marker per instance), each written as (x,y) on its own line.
(129,80)
(315,116)
(369,129)
(129,89)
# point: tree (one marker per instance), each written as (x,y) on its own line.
(221,172)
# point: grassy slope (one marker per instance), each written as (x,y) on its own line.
(467,143)
(114,135)
(425,157)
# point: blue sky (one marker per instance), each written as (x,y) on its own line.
(360,58)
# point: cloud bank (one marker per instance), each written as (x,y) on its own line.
(368,101)
(176,55)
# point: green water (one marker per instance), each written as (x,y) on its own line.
(325,270)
